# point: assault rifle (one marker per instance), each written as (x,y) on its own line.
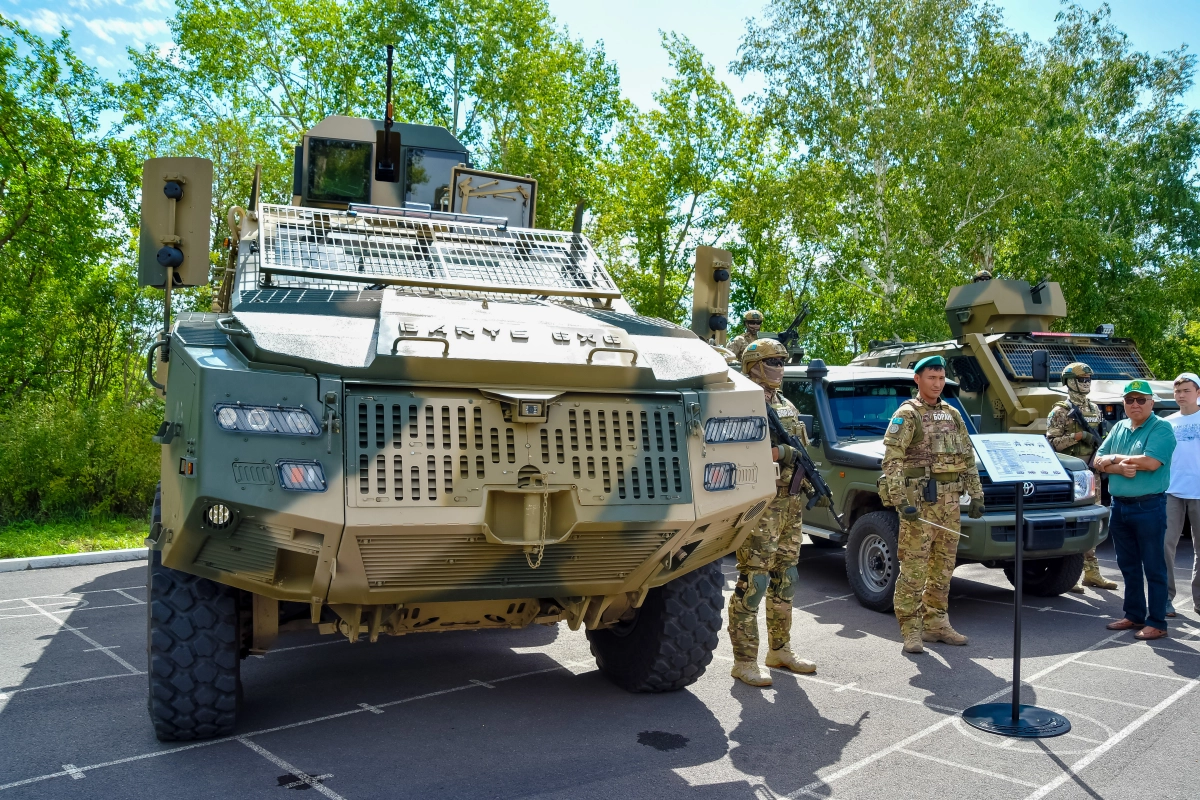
(1077,415)
(805,468)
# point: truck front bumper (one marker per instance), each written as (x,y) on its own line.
(993,537)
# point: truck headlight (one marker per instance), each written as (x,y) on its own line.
(720,476)
(281,420)
(301,476)
(1085,483)
(724,430)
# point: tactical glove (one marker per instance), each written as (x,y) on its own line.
(975,510)
(910,514)
(1089,439)
(787,454)
(823,502)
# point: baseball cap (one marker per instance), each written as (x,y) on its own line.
(1138,387)
(929,361)
(1189,376)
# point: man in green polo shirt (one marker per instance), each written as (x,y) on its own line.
(1137,458)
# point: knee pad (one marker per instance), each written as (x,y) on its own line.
(751,589)
(787,585)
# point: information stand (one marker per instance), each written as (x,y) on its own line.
(1019,460)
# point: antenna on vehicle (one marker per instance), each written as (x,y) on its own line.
(386,141)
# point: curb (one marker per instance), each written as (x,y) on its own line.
(72,559)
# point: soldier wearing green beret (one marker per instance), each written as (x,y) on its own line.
(928,464)
(753,320)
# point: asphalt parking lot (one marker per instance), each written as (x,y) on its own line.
(525,714)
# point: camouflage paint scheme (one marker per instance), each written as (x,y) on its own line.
(931,440)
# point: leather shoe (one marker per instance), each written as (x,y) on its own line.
(1148,634)
(1124,625)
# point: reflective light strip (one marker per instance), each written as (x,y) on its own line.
(301,476)
(720,476)
(723,430)
(284,420)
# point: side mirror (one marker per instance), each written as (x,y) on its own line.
(1040,366)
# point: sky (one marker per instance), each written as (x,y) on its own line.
(629,29)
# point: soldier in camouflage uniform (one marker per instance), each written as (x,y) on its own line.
(928,453)
(767,558)
(753,321)
(1068,436)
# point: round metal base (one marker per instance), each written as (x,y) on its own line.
(1031,723)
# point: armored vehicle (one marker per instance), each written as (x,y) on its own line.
(999,327)
(411,413)
(847,410)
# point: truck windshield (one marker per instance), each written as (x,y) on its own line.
(865,408)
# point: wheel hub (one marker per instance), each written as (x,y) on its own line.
(875,564)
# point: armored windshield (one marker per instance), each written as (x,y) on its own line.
(1110,359)
(339,171)
(865,408)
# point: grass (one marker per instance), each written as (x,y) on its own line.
(26,539)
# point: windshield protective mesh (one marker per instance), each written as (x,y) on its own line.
(357,247)
(1109,360)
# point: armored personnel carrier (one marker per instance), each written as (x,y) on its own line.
(1002,341)
(415,412)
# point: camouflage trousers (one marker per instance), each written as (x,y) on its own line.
(926,556)
(1090,562)
(767,568)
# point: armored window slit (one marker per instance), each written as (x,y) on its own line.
(446,428)
(364,474)
(545,446)
(462,428)
(464,467)
(448,474)
(511,445)
(379,424)
(397,425)
(495,446)
(362,424)
(587,430)
(604,473)
(415,482)
(591,465)
(558,445)
(671,431)
(621,478)
(575,466)
(662,475)
(429,441)
(574,426)
(600,419)
(479,471)
(658,430)
(678,474)
(380,475)
(431,472)
(398,477)
(645,432)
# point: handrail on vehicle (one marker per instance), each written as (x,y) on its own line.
(445,343)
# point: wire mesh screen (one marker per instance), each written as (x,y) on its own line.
(338,249)
(1109,360)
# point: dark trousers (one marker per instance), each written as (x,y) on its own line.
(1137,531)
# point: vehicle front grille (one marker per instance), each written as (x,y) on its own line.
(419,560)
(1003,496)
(1075,527)
(430,448)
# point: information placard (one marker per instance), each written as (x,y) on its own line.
(1013,457)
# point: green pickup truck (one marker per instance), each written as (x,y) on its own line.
(846,410)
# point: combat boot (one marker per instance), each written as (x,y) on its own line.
(786,659)
(748,672)
(1092,577)
(912,642)
(1076,589)
(944,634)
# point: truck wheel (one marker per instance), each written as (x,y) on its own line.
(194,664)
(1047,577)
(824,544)
(871,563)
(671,640)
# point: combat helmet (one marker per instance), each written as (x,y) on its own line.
(1076,369)
(761,350)
(753,315)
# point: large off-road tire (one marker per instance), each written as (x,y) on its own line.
(1047,577)
(824,544)
(671,640)
(193,649)
(872,565)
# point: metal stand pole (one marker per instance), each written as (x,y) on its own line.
(1005,719)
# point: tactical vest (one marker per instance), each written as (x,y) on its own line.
(940,440)
(1091,416)
(790,417)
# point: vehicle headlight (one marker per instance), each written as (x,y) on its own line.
(724,430)
(301,476)
(1085,483)
(720,476)
(283,420)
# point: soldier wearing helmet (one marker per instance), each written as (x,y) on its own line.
(767,558)
(753,320)
(1074,428)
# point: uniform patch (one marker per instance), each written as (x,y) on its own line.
(897,420)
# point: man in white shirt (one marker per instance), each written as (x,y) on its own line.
(1183,495)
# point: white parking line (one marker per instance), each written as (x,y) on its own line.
(1031,607)
(83,636)
(301,776)
(126,594)
(1087,696)
(1079,765)
(7,692)
(1134,671)
(368,706)
(73,772)
(976,770)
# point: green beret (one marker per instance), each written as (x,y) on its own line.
(1138,387)
(929,361)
